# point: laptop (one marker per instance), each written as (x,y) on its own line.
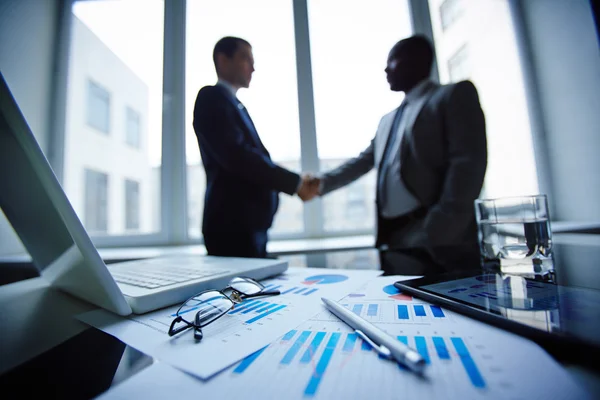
(39,211)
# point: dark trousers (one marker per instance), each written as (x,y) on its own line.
(236,244)
(421,260)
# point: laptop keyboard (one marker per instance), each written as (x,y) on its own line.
(155,276)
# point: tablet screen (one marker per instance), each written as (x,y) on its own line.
(558,309)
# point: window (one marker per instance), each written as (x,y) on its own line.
(96,202)
(132,205)
(458,65)
(98,107)
(115,71)
(272,99)
(132,134)
(481,46)
(351,92)
(450,11)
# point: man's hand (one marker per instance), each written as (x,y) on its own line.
(309,188)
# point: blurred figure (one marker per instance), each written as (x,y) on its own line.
(431,156)
(242,183)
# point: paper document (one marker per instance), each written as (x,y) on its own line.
(244,330)
(323,359)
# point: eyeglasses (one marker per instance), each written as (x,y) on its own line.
(211,305)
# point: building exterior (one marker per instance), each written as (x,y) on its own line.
(475,40)
(106,169)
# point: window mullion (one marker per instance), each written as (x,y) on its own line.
(313,211)
(173,171)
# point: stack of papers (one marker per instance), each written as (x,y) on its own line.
(246,329)
(321,357)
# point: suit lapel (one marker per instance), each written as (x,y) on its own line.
(412,113)
(245,117)
(382,135)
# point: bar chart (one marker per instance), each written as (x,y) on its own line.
(323,351)
(418,312)
(322,358)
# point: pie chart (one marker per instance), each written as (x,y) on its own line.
(324,279)
(395,293)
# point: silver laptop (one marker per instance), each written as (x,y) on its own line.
(42,216)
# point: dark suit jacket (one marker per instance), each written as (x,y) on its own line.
(441,160)
(242,183)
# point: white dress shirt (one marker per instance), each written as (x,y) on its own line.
(399,200)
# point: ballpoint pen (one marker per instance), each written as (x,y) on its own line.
(383,343)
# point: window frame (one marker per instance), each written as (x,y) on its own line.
(131,141)
(173,197)
(93,190)
(94,89)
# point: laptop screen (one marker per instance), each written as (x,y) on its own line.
(23,199)
(42,216)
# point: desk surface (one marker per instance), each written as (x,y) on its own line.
(40,334)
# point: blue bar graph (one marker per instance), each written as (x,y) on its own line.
(309,292)
(243,306)
(365,346)
(273,287)
(267,287)
(255,307)
(402,311)
(245,363)
(419,311)
(350,342)
(468,362)
(357,308)
(289,335)
(271,311)
(266,308)
(372,310)
(440,347)
(437,312)
(300,290)
(317,375)
(295,348)
(422,348)
(403,339)
(289,290)
(312,348)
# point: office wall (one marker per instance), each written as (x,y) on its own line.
(566,62)
(27,32)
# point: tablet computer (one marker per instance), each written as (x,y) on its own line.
(562,319)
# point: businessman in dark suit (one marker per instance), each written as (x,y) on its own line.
(431,156)
(242,183)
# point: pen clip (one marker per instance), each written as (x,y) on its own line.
(381,349)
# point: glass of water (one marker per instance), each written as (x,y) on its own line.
(515,236)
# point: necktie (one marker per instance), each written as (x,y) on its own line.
(249,123)
(388,156)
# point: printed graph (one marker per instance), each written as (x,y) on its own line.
(325,279)
(325,350)
(418,312)
(396,294)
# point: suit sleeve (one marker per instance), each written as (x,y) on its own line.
(467,160)
(350,171)
(217,131)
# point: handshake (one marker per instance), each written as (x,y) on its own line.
(309,188)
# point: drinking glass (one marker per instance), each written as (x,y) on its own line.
(515,236)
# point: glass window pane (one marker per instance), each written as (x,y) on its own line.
(115,86)
(272,99)
(132,205)
(132,135)
(96,202)
(98,107)
(350,42)
(481,46)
